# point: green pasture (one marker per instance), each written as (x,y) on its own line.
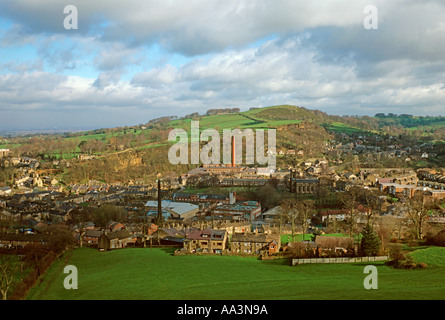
(232,121)
(156,274)
(344,128)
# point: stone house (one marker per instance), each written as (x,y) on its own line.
(15,240)
(255,243)
(115,240)
(91,237)
(4,191)
(207,241)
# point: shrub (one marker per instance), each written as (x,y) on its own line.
(396,256)
(408,263)
(436,240)
(400,260)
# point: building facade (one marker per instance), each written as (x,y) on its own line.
(207,241)
(255,243)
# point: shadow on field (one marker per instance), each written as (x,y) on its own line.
(170,251)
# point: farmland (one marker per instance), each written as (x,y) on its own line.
(156,274)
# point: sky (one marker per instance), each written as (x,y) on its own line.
(128,62)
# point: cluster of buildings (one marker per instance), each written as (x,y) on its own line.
(391,146)
(4,153)
(428,182)
(218,241)
(188,206)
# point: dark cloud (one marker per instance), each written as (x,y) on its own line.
(237,53)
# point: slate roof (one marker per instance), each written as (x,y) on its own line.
(93,233)
(206,235)
(252,237)
(22,237)
(171,206)
(118,235)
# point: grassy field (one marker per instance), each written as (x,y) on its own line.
(285,238)
(344,128)
(232,121)
(156,274)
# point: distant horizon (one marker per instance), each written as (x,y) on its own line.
(61,130)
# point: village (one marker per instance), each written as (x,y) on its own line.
(169,213)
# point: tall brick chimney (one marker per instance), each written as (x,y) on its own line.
(233,151)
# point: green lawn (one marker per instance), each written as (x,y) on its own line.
(157,274)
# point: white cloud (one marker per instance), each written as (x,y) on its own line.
(239,54)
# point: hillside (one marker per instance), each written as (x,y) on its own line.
(140,152)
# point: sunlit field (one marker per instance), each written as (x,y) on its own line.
(156,274)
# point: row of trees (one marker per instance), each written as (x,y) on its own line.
(222,110)
(20,270)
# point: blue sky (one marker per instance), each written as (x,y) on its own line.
(129,62)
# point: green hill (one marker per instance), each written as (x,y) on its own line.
(136,147)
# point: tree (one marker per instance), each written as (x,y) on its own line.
(8,268)
(107,213)
(79,218)
(289,207)
(417,211)
(34,255)
(370,244)
(60,238)
(267,195)
(82,146)
(350,200)
(371,202)
(280,219)
(305,211)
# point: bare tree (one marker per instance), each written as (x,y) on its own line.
(350,200)
(80,217)
(371,201)
(289,207)
(417,211)
(9,266)
(305,211)
(280,219)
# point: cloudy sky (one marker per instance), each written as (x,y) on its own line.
(130,61)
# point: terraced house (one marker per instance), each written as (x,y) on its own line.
(115,240)
(255,243)
(207,241)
